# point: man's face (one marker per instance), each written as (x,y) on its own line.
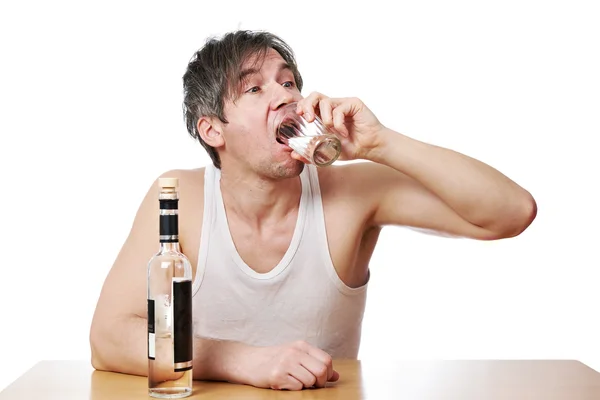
(249,137)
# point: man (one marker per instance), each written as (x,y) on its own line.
(280,249)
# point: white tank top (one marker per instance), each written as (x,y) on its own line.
(302,298)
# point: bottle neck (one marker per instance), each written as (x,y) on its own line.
(167,247)
(169,223)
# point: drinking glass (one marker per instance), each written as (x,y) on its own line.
(311,140)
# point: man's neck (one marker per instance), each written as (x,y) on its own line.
(259,201)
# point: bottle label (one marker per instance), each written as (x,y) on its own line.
(169,228)
(182,325)
(151,333)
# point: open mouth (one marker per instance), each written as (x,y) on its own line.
(286,131)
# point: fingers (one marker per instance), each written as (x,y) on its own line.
(310,106)
(322,357)
(299,365)
(305,376)
(306,106)
(316,368)
(333,112)
(339,118)
(326,112)
(288,383)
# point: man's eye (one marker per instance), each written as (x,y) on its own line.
(288,84)
(253,89)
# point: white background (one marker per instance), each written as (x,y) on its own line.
(90,103)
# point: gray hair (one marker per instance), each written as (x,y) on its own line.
(212,76)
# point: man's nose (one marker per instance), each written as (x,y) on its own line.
(281,96)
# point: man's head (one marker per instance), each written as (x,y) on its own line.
(233,86)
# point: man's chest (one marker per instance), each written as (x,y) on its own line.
(347,240)
(262,250)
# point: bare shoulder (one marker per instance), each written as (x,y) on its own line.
(191,186)
(190,180)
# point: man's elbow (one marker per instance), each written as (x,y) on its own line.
(97,363)
(520,219)
(97,350)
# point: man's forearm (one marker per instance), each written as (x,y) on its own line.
(123,348)
(220,360)
(477,192)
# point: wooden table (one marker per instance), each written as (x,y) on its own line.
(410,380)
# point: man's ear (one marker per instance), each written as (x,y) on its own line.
(210,130)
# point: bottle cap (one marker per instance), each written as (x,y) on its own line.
(168,182)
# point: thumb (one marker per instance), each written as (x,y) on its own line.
(334,377)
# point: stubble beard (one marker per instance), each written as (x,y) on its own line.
(284,171)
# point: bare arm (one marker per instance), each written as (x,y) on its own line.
(118,334)
(435,188)
(416,184)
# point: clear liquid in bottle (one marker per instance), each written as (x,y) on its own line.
(170,329)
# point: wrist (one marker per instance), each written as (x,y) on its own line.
(221,360)
(239,367)
(386,139)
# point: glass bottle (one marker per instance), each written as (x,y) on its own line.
(170,328)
